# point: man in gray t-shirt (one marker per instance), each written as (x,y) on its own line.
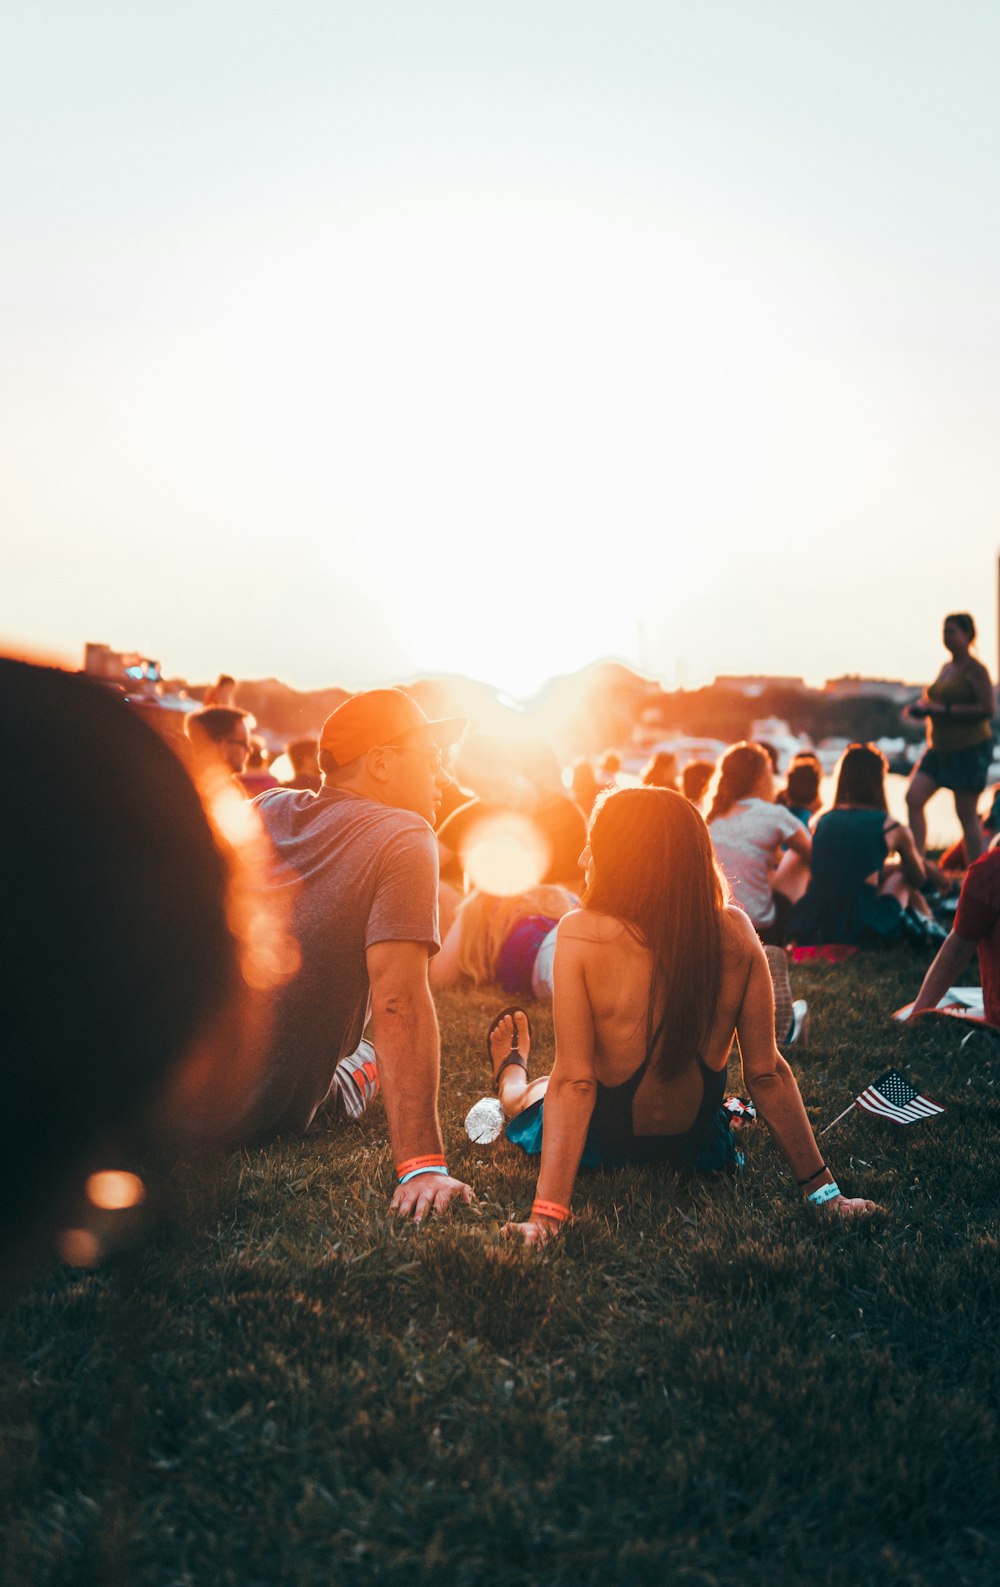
(361,860)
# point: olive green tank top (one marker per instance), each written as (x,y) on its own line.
(955,732)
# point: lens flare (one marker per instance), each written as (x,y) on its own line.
(506,854)
(113,1190)
(79,1247)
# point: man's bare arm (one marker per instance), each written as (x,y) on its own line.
(404,1033)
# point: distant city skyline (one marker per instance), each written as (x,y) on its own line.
(351,343)
(108,662)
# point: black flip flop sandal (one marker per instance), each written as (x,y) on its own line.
(515,1056)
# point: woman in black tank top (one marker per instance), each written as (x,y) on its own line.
(651,879)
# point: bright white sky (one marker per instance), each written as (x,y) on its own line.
(348,340)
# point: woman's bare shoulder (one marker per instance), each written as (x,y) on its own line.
(738,935)
(586,925)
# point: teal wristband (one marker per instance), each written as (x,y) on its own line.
(824,1193)
(430,1169)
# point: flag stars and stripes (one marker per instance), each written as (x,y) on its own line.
(892,1097)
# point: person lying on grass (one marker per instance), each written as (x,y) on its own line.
(653,977)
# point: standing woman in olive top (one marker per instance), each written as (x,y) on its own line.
(958,708)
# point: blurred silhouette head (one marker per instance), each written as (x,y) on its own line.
(802,783)
(695,778)
(137,953)
(660,770)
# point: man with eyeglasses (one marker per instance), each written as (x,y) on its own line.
(221,731)
(361,859)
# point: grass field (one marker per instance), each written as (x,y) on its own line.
(701,1382)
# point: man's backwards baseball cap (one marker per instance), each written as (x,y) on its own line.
(380,716)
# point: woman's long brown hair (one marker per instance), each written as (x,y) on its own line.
(861,778)
(654,869)
(737,773)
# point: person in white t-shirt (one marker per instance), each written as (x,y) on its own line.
(748,833)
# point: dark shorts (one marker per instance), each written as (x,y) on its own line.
(961,770)
(776,934)
(717,1151)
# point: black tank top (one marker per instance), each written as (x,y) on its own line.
(612,1129)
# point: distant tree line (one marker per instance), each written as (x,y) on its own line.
(601,706)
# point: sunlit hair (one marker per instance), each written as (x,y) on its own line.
(963,621)
(861,777)
(485,922)
(654,868)
(736,774)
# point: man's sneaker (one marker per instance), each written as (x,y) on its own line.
(355,1083)
(798,1035)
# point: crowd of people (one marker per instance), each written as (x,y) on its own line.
(248,957)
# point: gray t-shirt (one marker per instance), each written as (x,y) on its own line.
(362,873)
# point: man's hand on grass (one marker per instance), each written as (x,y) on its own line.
(428,1193)
(532,1233)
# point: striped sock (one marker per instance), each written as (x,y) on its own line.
(355,1083)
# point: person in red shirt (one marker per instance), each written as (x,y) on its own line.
(977,925)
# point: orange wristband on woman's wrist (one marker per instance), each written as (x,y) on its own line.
(549,1209)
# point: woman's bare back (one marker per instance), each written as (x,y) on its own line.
(617,973)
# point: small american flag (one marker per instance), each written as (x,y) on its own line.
(892,1097)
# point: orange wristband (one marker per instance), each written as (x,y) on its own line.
(434,1161)
(549,1209)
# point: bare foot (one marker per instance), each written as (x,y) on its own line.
(509,1039)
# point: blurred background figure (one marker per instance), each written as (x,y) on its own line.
(585,786)
(139,952)
(510,941)
(220,733)
(956,857)
(770,751)
(958,709)
(520,828)
(660,771)
(304,756)
(221,692)
(608,768)
(255,776)
(695,779)
(800,794)
(748,830)
(857,894)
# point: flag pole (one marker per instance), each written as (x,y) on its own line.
(838,1118)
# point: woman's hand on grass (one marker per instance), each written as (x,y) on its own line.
(428,1193)
(853,1206)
